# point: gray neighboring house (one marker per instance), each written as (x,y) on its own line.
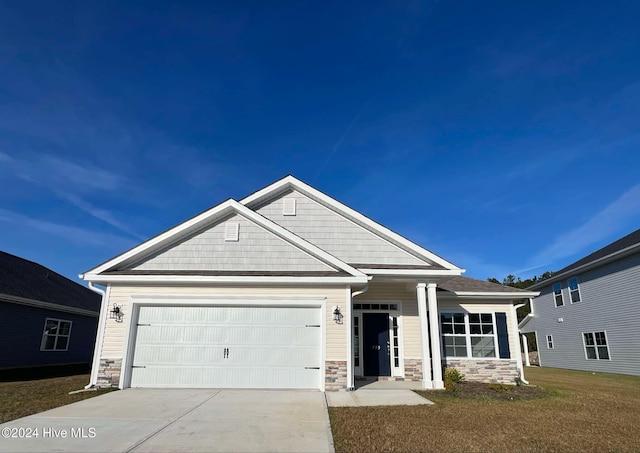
(586,316)
(47,319)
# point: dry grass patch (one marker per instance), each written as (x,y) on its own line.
(21,398)
(580,412)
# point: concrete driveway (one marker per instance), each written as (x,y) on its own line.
(189,420)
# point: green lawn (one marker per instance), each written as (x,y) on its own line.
(21,398)
(582,412)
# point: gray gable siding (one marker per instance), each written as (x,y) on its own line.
(610,302)
(256,250)
(334,234)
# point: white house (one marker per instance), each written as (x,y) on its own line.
(289,288)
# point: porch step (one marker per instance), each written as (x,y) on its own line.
(379,378)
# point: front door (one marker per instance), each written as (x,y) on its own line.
(376,346)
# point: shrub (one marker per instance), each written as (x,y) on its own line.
(501,387)
(451,378)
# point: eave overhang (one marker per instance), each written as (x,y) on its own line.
(204,279)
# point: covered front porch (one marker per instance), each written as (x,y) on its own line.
(392,333)
(396,333)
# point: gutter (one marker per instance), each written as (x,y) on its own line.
(97,349)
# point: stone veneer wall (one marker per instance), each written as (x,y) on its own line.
(109,373)
(500,371)
(413,369)
(335,377)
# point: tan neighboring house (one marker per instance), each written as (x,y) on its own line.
(289,288)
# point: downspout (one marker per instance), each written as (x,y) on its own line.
(363,290)
(97,349)
(519,356)
(350,372)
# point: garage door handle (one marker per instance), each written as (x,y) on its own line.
(312,325)
(226,353)
(138,366)
(312,368)
(143,325)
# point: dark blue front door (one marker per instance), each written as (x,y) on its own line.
(376,347)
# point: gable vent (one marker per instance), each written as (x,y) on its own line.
(289,206)
(231,231)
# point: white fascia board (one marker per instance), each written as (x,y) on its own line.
(47,305)
(290,181)
(160,279)
(500,295)
(156,240)
(413,272)
(220,210)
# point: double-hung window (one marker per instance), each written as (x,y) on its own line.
(549,342)
(557,294)
(596,346)
(574,290)
(56,335)
(468,334)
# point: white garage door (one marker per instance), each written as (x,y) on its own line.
(242,347)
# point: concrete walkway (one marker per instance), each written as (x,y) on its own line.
(179,420)
(376,396)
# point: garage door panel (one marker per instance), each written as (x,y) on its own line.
(268,347)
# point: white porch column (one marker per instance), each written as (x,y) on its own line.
(434,329)
(349,329)
(525,348)
(424,335)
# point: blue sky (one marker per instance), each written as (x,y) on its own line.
(502,136)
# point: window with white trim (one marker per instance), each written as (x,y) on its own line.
(557,294)
(549,341)
(596,346)
(56,335)
(468,334)
(574,290)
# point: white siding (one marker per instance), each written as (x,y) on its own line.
(610,302)
(256,250)
(335,234)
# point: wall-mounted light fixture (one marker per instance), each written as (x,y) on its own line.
(337,315)
(116,313)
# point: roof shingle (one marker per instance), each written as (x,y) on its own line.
(29,280)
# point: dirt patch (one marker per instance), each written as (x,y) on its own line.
(478,390)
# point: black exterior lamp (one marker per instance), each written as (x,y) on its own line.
(116,313)
(337,315)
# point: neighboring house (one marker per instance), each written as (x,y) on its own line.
(288,288)
(47,319)
(586,317)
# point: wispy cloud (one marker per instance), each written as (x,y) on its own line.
(67,179)
(602,225)
(79,236)
(101,214)
(66,173)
